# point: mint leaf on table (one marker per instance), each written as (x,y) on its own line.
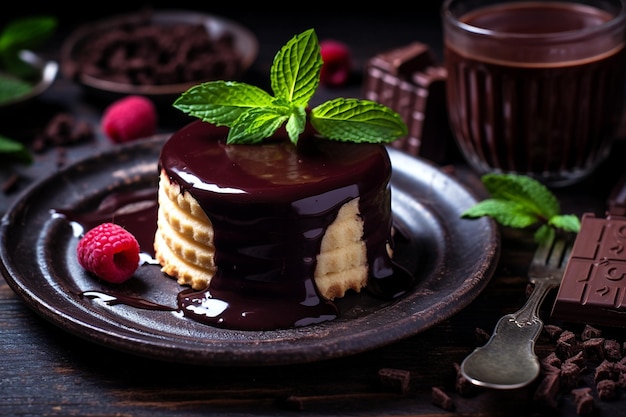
(23,34)
(253,114)
(519,201)
(12,88)
(15,150)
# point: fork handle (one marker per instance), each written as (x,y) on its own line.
(528,315)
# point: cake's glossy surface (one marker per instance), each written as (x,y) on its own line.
(270,206)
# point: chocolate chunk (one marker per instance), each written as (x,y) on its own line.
(551,363)
(590,332)
(463,385)
(548,389)
(578,359)
(404,61)
(593,288)
(567,345)
(395,379)
(607,390)
(441,399)
(408,80)
(583,400)
(553,331)
(481,336)
(594,348)
(570,375)
(612,350)
(606,370)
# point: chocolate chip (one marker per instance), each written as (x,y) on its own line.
(583,400)
(548,389)
(441,399)
(612,350)
(590,332)
(395,379)
(570,375)
(463,385)
(607,390)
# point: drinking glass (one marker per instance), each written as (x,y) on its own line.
(535,87)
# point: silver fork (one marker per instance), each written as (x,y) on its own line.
(508,360)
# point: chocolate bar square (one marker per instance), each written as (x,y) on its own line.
(593,288)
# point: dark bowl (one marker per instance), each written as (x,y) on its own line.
(245,45)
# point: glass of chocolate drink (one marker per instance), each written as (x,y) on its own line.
(535,87)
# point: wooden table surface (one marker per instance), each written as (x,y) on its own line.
(45,371)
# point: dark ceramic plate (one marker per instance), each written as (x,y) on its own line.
(453,259)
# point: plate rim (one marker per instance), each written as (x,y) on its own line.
(287,351)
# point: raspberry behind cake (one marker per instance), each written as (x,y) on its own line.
(268,226)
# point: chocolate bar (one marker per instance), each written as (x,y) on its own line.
(593,288)
(409,81)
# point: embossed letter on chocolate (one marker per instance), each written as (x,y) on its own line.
(593,289)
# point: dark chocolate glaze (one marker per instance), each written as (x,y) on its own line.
(135,210)
(278,201)
(270,206)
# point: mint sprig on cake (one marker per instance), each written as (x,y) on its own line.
(253,114)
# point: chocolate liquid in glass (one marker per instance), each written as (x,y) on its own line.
(529,114)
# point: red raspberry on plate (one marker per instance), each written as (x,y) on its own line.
(129,118)
(110,252)
(337,63)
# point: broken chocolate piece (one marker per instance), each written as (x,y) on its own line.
(583,400)
(548,389)
(590,332)
(408,80)
(594,348)
(442,399)
(570,375)
(593,289)
(607,390)
(395,379)
(463,385)
(612,350)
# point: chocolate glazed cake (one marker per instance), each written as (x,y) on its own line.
(277,231)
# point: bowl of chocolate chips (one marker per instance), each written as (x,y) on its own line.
(156,53)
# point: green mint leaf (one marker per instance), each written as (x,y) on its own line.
(12,88)
(519,201)
(27,33)
(544,234)
(357,121)
(256,124)
(296,124)
(295,72)
(567,222)
(15,150)
(253,115)
(221,102)
(527,191)
(506,212)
